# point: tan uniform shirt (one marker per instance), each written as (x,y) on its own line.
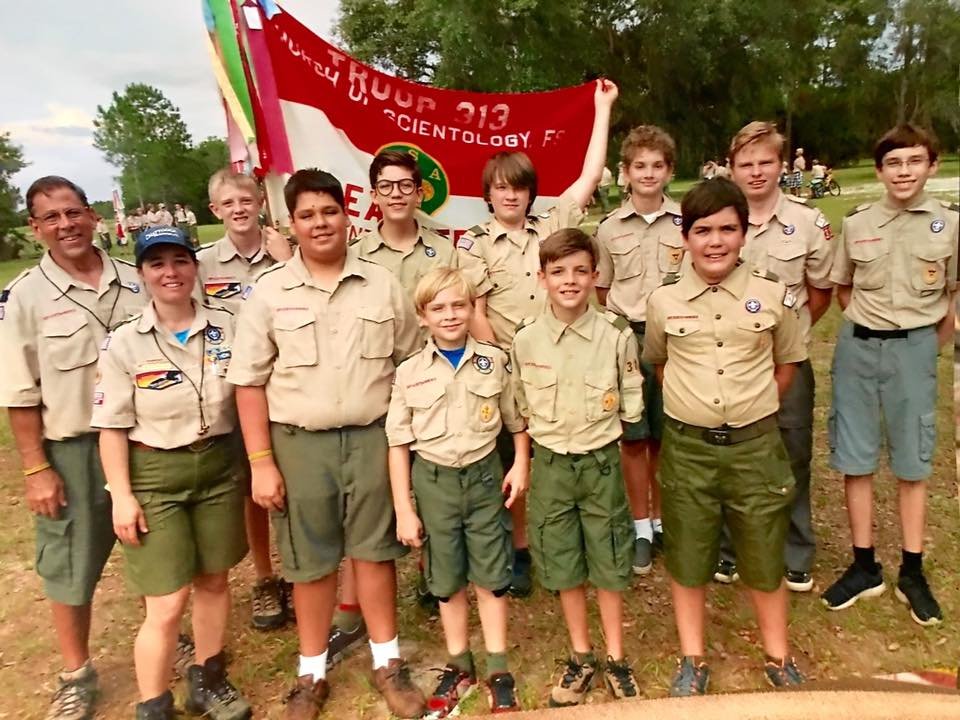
(720,344)
(50,328)
(449,416)
(154,386)
(164,217)
(902,264)
(575,383)
(795,245)
(635,255)
(225,276)
(503,265)
(326,355)
(430,251)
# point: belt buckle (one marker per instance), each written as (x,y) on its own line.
(715,436)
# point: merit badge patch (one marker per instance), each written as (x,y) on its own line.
(677,220)
(429,251)
(676,254)
(789,229)
(609,401)
(221,289)
(483,364)
(158,379)
(752,305)
(930,274)
(486,412)
(217,355)
(213,334)
(937,225)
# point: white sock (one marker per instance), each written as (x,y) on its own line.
(316,666)
(657,525)
(384,652)
(643,529)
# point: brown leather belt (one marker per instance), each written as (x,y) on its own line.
(725,435)
(195,447)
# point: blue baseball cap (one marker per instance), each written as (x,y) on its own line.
(160,235)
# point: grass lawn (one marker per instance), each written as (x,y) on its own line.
(874,637)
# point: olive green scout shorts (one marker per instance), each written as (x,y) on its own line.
(650,426)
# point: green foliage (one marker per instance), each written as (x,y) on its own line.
(11,161)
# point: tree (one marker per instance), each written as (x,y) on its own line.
(11,162)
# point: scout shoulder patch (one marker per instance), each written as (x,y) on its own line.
(618,321)
(767,275)
(858,208)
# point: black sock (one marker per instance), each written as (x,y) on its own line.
(864,557)
(911,563)
(522,554)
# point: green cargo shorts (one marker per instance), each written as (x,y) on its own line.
(578,520)
(650,426)
(72,550)
(468,530)
(193,505)
(748,485)
(338,499)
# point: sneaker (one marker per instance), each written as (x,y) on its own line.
(426,599)
(503,693)
(783,673)
(343,642)
(306,699)
(726,572)
(642,556)
(183,655)
(854,584)
(159,708)
(692,678)
(403,698)
(799,581)
(620,679)
(268,611)
(914,591)
(211,694)
(521,584)
(75,695)
(453,686)
(573,685)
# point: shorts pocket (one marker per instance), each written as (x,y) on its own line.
(602,396)
(54,546)
(377,328)
(928,435)
(296,338)
(286,548)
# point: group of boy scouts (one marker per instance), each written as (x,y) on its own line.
(530,397)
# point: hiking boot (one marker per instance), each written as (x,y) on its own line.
(183,655)
(210,693)
(914,591)
(268,611)
(75,695)
(620,679)
(453,686)
(426,599)
(521,584)
(799,581)
(574,683)
(305,700)
(403,698)
(642,556)
(503,693)
(783,673)
(343,642)
(159,708)
(854,584)
(726,572)
(692,678)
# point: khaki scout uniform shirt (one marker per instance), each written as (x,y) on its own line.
(428,252)
(152,384)
(575,383)
(902,263)
(50,328)
(326,355)
(225,276)
(794,245)
(636,255)
(720,344)
(503,265)
(452,417)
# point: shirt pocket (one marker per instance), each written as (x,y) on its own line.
(483,404)
(669,255)
(296,335)
(428,412)
(377,333)
(756,333)
(601,394)
(68,343)
(787,261)
(680,328)
(540,386)
(627,257)
(929,272)
(870,264)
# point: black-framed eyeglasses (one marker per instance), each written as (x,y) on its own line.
(406,186)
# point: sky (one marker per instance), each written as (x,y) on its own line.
(63,58)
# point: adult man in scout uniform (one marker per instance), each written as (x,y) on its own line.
(791,240)
(317,344)
(639,244)
(501,258)
(726,340)
(896,271)
(53,318)
(227,271)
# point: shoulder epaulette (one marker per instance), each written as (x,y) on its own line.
(123,261)
(269,270)
(858,208)
(798,200)
(617,320)
(950,205)
(767,275)
(490,345)
(9,287)
(221,308)
(526,321)
(129,320)
(670,279)
(542,216)
(478,230)
(207,246)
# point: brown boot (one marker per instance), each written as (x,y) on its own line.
(403,698)
(306,699)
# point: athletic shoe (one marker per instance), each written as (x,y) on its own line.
(159,708)
(425,599)
(620,679)
(854,584)
(453,687)
(692,678)
(268,611)
(306,699)
(211,694)
(574,683)
(183,655)
(75,695)
(503,693)
(783,673)
(726,572)
(343,642)
(914,591)
(403,698)
(799,581)
(642,556)
(521,584)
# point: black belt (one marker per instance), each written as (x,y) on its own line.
(639,327)
(196,446)
(725,435)
(862,332)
